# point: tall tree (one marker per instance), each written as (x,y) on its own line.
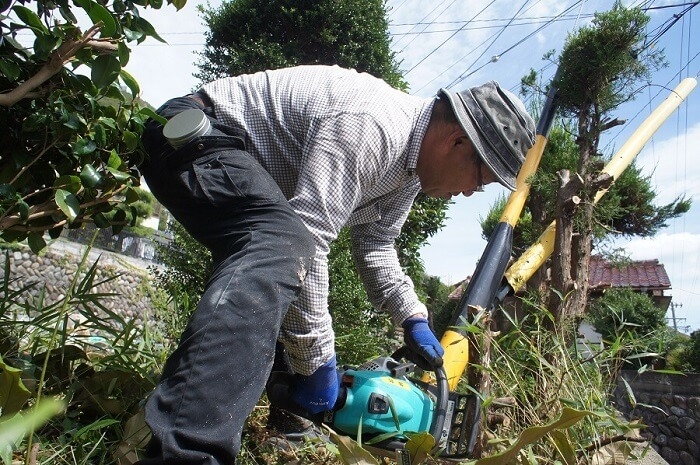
(69,143)
(600,67)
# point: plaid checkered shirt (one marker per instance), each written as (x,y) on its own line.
(343,147)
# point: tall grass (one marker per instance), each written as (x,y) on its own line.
(544,372)
(79,351)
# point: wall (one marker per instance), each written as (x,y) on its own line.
(52,271)
(671,410)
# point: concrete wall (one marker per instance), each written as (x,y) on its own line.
(670,406)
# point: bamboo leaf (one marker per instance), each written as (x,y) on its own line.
(351,453)
(13,393)
(567,418)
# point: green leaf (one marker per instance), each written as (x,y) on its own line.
(568,417)
(30,18)
(68,203)
(130,82)
(123,53)
(36,241)
(152,114)
(118,217)
(55,233)
(132,35)
(350,451)
(44,44)
(98,13)
(23,209)
(131,195)
(131,140)
(14,429)
(100,135)
(105,70)
(90,176)
(419,446)
(13,393)
(84,147)
(101,220)
(148,28)
(10,69)
(115,160)
(564,447)
(68,182)
(179,4)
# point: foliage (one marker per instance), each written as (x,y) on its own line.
(627,209)
(543,374)
(440,307)
(70,139)
(591,75)
(76,349)
(187,264)
(632,316)
(687,354)
(247,36)
(144,207)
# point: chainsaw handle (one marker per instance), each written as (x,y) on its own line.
(437,427)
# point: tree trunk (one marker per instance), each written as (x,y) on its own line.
(562,278)
(478,371)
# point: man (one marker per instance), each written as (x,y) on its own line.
(265,177)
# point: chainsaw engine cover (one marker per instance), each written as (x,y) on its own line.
(371,397)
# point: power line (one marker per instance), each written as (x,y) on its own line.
(496,57)
(431,11)
(465,75)
(447,40)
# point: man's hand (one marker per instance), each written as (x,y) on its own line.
(423,344)
(317,392)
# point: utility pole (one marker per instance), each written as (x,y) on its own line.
(673,306)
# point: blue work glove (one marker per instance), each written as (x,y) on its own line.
(424,347)
(317,392)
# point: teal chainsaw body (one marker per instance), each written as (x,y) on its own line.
(377,402)
(381,405)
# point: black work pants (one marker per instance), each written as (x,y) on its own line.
(261,249)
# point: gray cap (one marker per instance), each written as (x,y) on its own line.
(498,125)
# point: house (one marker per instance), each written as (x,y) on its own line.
(648,276)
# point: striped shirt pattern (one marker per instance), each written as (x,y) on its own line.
(343,147)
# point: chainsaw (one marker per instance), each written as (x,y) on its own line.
(381,404)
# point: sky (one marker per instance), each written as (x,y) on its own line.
(445,44)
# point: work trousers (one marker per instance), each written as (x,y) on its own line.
(261,249)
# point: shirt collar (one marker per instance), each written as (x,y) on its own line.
(417,136)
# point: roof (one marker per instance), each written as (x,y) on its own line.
(644,274)
(640,275)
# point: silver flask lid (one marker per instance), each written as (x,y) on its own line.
(185,126)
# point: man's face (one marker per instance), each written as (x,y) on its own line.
(450,166)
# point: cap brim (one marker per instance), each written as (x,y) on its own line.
(478,141)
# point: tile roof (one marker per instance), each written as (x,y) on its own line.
(640,275)
(645,274)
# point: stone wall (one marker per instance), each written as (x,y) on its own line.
(52,271)
(670,406)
